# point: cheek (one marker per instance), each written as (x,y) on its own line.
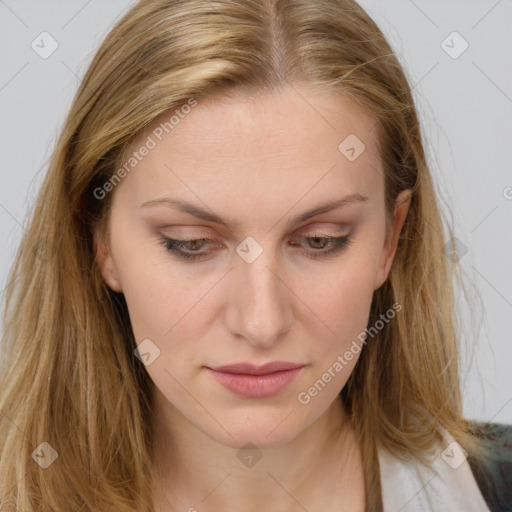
(342,310)
(169,308)
(341,300)
(161,302)
(154,299)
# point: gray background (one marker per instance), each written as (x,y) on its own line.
(465,104)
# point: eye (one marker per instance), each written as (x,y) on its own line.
(319,246)
(320,243)
(186,249)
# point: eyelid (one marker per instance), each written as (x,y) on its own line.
(327,232)
(325,228)
(308,231)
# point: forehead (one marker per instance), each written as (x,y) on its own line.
(288,116)
(295,141)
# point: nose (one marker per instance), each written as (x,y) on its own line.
(261,304)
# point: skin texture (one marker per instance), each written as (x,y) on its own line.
(257,160)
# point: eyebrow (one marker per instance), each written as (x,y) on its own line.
(202,213)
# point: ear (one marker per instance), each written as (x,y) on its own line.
(403,201)
(104,260)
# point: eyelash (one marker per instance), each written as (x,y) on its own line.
(171,244)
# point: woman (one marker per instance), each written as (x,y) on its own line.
(233,289)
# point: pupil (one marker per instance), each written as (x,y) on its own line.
(317,238)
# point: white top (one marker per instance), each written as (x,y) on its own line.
(410,487)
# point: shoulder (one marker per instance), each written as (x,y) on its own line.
(494,475)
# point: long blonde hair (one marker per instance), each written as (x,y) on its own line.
(69,376)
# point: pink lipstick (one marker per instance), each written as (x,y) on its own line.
(250,381)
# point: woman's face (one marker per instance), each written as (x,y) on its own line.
(280,268)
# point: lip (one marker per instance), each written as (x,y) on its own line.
(252,381)
(251,369)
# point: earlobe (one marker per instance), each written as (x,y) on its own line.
(103,259)
(402,204)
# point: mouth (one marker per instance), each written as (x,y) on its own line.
(252,381)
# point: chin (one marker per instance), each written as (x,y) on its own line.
(261,426)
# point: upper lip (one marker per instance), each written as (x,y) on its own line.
(250,369)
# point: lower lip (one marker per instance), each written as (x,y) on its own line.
(256,386)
